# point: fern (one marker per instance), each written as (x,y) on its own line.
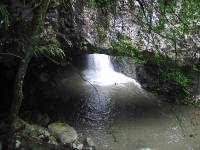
(50,49)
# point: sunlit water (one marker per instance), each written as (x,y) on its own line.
(122,117)
(100,71)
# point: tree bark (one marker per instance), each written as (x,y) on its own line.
(17,99)
(23,66)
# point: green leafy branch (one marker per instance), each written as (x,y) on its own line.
(50,49)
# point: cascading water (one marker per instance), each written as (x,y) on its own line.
(101,72)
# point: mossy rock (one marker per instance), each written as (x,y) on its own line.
(63,132)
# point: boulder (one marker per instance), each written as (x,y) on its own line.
(63,132)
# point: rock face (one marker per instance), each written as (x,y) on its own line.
(77,23)
(125,65)
(146,80)
(63,132)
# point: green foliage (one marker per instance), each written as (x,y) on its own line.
(170,77)
(92,3)
(168,70)
(178,77)
(4,17)
(50,49)
(167,75)
(124,47)
(106,6)
(102,3)
(168,29)
(102,34)
(196,67)
(176,23)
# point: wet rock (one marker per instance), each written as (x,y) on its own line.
(63,132)
(77,146)
(44,135)
(36,132)
(52,140)
(90,142)
(144,77)
(27,143)
(124,65)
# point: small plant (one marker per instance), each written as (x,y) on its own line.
(166,74)
(178,77)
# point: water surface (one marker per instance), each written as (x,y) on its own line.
(120,115)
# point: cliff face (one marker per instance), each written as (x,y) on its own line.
(80,26)
(77,23)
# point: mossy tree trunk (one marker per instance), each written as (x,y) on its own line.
(39,17)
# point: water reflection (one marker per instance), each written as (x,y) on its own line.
(96,108)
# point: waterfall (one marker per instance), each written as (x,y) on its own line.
(100,71)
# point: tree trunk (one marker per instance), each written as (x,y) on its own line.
(18,87)
(17,99)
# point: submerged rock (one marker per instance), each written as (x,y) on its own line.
(63,132)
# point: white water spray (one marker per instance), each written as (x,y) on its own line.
(101,72)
